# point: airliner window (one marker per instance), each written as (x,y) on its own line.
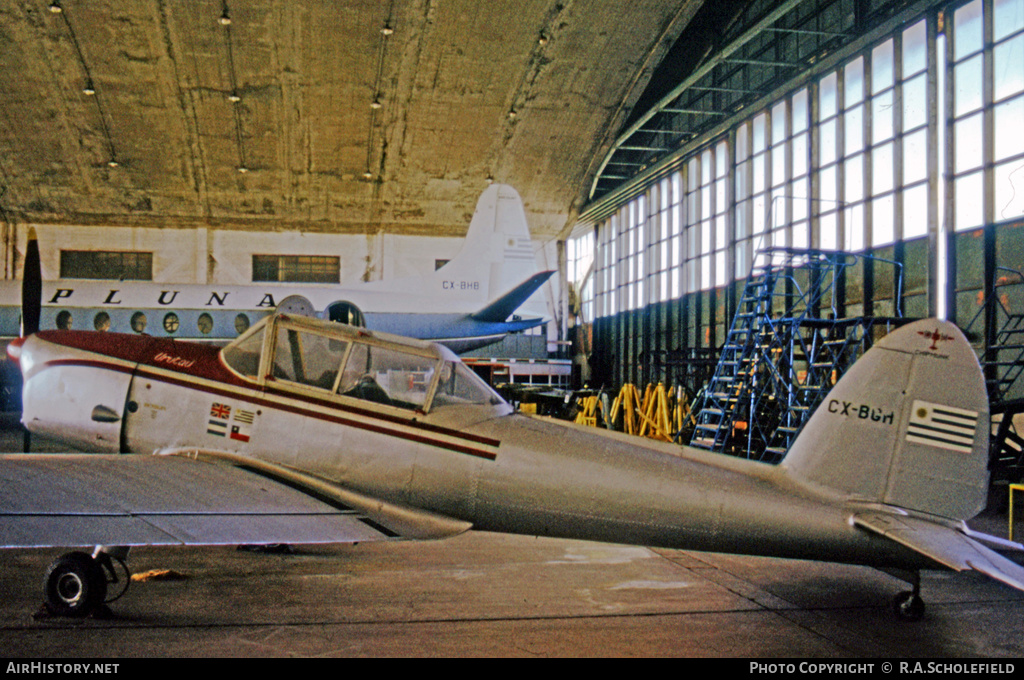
(387,376)
(307,358)
(459,385)
(139,322)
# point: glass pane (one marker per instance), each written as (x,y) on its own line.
(760,132)
(778,165)
(460,386)
(968,144)
(882,67)
(1009,128)
(882,169)
(1009,190)
(1007,18)
(307,358)
(827,189)
(915,157)
(387,376)
(800,155)
(915,212)
(915,102)
(827,89)
(853,76)
(915,49)
(854,179)
(854,227)
(968,206)
(827,232)
(799,111)
(882,110)
(854,130)
(882,221)
(779,123)
(1008,68)
(243,355)
(967,81)
(827,142)
(742,142)
(967,29)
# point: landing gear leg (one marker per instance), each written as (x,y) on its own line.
(908,605)
(76,583)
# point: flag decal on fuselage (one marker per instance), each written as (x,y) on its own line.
(240,420)
(946,427)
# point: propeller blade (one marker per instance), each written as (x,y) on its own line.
(31,287)
(31,302)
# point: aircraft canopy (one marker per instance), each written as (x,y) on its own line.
(311,354)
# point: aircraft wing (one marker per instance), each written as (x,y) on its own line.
(945,545)
(71,500)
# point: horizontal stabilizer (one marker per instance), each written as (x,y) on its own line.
(945,545)
(65,500)
(502,308)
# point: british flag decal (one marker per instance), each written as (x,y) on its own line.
(217,425)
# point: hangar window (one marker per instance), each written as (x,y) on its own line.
(117,265)
(296,268)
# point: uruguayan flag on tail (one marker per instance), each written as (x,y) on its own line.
(943,426)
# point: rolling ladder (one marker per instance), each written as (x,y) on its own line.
(1002,360)
(780,357)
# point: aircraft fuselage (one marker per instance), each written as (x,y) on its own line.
(477,462)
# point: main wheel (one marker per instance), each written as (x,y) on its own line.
(909,606)
(74,585)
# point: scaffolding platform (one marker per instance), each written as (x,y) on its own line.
(784,352)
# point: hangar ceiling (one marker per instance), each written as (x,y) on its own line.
(349,116)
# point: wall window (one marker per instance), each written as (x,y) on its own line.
(88,264)
(296,268)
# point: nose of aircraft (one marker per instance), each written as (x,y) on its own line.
(14,348)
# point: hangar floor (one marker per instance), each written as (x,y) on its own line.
(492,595)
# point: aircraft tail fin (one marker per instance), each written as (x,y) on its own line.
(906,426)
(502,308)
(498,230)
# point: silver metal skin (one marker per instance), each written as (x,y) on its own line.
(884,474)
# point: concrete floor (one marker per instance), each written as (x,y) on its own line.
(485,594)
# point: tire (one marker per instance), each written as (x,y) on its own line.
(909,606)
(74,585)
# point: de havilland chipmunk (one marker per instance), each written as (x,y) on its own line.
(307,431)
(467,303)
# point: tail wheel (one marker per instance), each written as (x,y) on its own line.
(74,585)
(909,606)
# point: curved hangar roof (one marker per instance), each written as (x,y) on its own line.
(336,116)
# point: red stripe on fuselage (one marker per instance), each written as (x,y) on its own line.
(207,366)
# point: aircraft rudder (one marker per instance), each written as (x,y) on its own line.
(498,250)
(907,425)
